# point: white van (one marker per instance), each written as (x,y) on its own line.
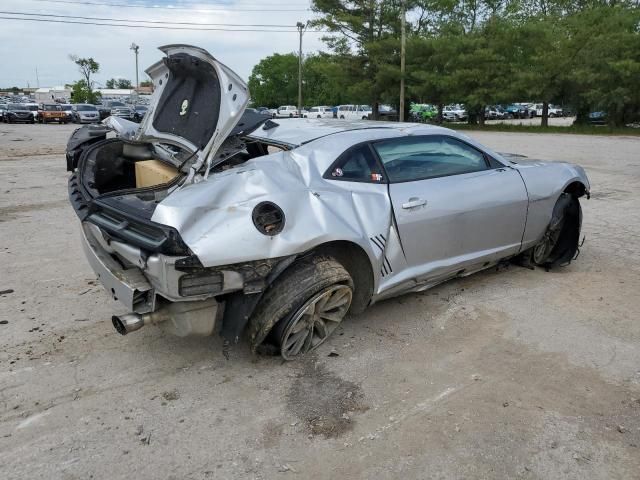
(319,112)
(353,112)
(286,111)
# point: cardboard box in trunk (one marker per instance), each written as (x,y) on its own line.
(153,172)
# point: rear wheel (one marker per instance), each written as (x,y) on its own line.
(302,308)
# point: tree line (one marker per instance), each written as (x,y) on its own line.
(582,54)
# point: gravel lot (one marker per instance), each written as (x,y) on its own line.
(510,374)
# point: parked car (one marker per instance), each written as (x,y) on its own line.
(286,111)
(519,110)
(319,112)
(423,112)
(553,110)
(496,112)
(85,113)
(33,108)
(263,111)
(123,112)
(3,109)
(107,106)
(19,113)
(597,118)
(454,113)
(353,112)
(48,113)
(278,229)
(139,111)
(67,108)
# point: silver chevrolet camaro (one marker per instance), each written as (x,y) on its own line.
(278,228)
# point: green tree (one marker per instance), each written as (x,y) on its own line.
(87,67)
(119,83)
(81,93)
(365,33)
(274,81)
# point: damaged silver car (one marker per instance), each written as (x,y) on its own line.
(205,219)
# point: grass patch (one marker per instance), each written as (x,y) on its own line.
(574,129)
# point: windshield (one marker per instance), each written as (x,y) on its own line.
(51,108)
(33,108)
(117,104)
(86,108)
(144,109)
(16,106)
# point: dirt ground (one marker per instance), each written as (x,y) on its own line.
(513,374)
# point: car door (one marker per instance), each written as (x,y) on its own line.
(455,207)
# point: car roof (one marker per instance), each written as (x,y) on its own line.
(299,131)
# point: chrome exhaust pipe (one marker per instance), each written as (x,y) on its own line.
(182,319)
(127,323)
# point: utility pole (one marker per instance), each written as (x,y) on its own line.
(403,45)
(135,49)
(301,27)
(37,78)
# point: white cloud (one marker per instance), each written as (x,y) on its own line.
(27,46)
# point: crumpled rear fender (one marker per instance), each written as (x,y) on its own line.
(214,217)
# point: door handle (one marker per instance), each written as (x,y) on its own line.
(414,202)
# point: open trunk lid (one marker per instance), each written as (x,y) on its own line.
(196,103)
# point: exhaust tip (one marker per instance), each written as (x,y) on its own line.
(127,323)
(118,325)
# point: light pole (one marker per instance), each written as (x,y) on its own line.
(403,43)
(301,27)
(135,49)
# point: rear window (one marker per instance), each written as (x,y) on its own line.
(357,164)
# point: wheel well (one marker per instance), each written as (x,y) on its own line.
(354,259)
(576,189)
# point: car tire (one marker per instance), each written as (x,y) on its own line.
(341,117)
(302,308)
(318,116)
(561,239)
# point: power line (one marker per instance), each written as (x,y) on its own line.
(146,21)
(46,20)
(159,7)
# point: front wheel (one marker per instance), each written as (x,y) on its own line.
(560,241)
(302,308)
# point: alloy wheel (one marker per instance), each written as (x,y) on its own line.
(315,321)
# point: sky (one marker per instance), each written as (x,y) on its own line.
(27,46)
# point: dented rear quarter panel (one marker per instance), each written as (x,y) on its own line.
(214,216)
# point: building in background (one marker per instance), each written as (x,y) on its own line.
(52,94)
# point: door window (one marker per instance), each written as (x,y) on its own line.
(418,158)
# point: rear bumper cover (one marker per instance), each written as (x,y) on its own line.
(128,286)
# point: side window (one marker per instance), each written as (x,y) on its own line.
(358,164)
(419,158)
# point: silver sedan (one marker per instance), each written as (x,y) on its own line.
(280,228)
